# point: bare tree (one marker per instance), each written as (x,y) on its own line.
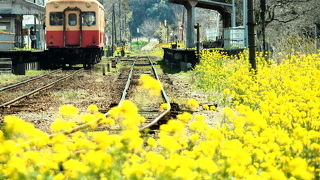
(149,27)
(278,18)
(208,19)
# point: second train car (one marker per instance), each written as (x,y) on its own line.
(75,32)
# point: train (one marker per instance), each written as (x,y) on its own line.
(75,32)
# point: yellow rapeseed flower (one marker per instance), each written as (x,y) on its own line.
(93,109)
(152,142)
(1,136)
(68,110)
(270,130)
(59,176)
(149,83)
(62,125)
(213,108)
(184,117)
(205,107)
(299,168)
(192,104)
(164,107)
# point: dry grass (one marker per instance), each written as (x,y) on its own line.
(70,96)
(11,78)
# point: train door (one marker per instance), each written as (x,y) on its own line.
(72,28)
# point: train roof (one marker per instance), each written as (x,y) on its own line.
(84,1)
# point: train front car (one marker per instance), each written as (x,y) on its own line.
(74,32)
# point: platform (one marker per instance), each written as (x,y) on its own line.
(12,19)
(181,58)
(22,60)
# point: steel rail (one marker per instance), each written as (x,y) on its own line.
(37,90)
(164,95)
(28,80)
(124,92)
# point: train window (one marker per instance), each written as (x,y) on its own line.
(56,18)
(72,19)
(88,18)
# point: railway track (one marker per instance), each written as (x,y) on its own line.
(14,93)
(15,85)
(128,78)
(150,108)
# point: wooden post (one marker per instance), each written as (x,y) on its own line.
(197,27)
(108,67)
(103,69)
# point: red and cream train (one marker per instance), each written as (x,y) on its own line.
(75,32)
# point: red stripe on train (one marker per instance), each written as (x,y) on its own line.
(89,38)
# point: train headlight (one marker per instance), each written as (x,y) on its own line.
(56,5)
(88,4)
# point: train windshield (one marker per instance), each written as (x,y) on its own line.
(56,18)
(88,18)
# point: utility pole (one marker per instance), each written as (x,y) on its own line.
(35,25)
(114,24)
(183,24)
(233,24)
(252,51)
(316,38)
(113,29)
(263,24)
(120,22)
(125,27)
(167,29)
(245,22)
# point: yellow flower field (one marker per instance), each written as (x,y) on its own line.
(270,131)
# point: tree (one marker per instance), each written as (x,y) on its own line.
(278,18)
(149,27)
(157,10)
(121,22)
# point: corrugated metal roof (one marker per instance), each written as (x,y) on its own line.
(22,7)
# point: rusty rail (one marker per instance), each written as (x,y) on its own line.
(165,97)
(38,90)
(26,81)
